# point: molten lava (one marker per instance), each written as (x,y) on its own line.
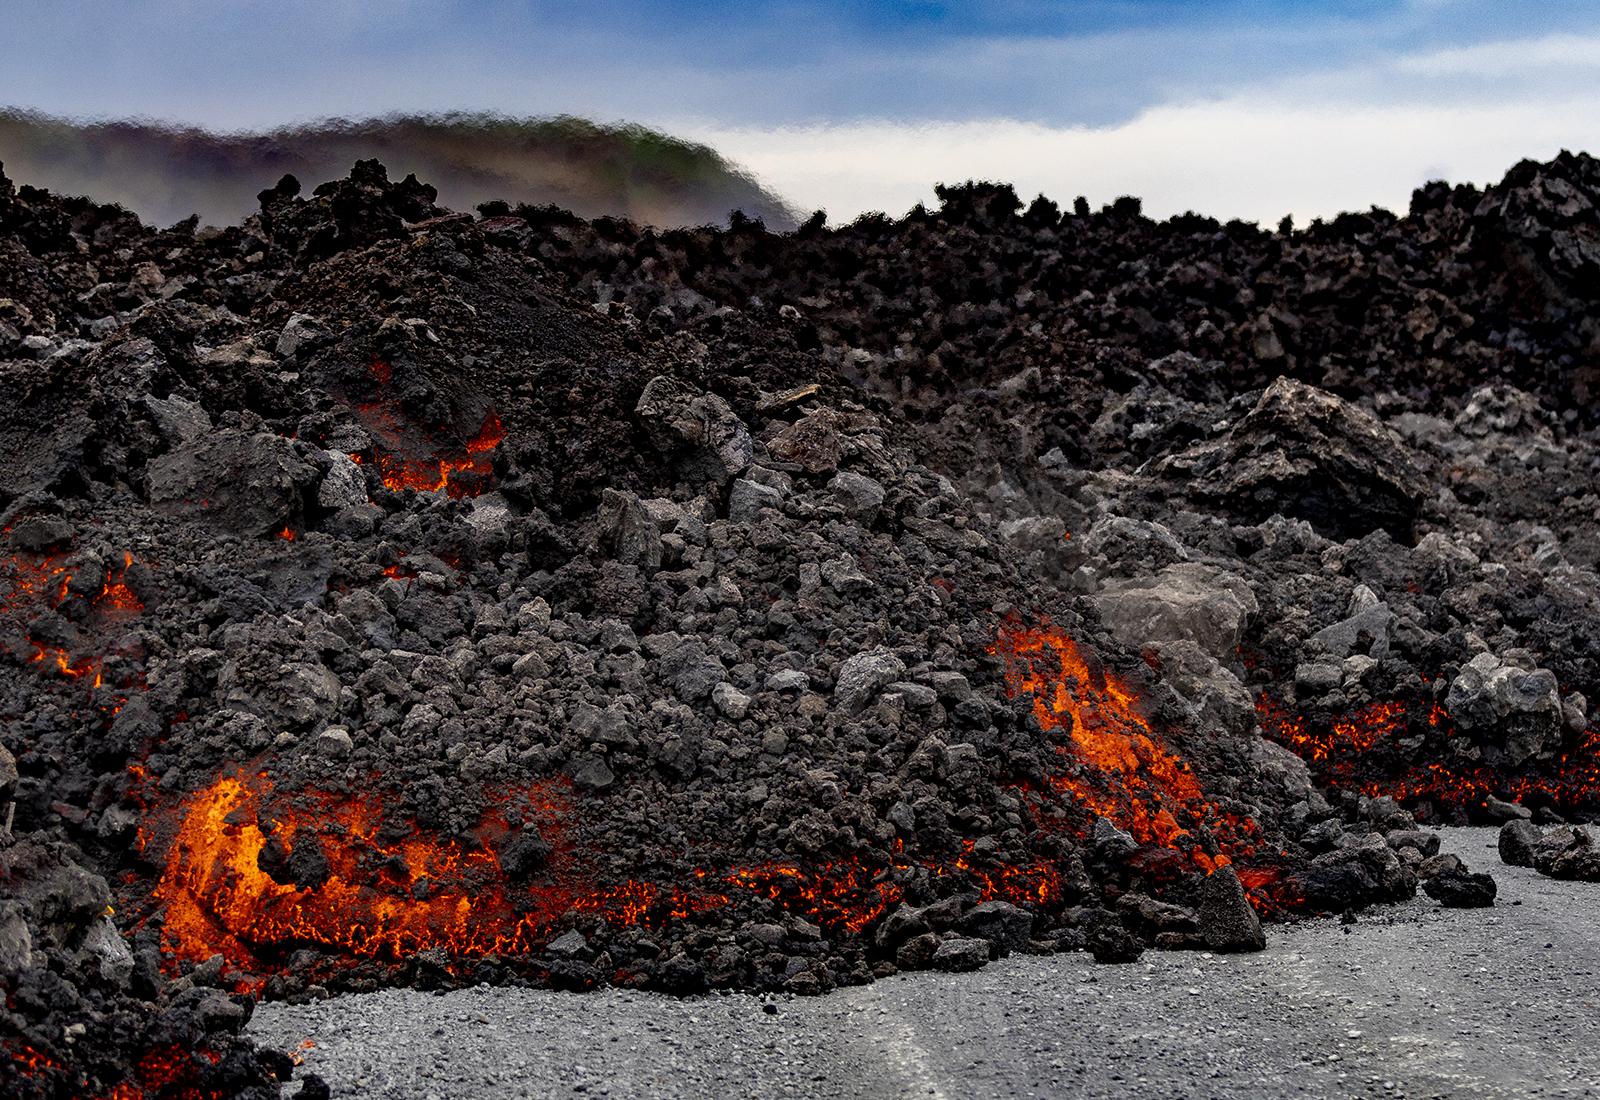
(1366,751)
(33,584)
(382,894)
(390,898)
(1117,766)
(411,458)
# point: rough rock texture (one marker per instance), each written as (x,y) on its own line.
(1227,920)
(759,607)
(1306,453)
(1460,889)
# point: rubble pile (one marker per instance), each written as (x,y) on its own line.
(394,595)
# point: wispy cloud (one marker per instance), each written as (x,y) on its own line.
(1524,58)
(1238,158)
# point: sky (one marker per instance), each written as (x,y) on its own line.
(1233,108)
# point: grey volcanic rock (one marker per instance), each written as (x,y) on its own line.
(248,484)
(1227,920)
(999,922)
(1519,840)
(698,430)
(1184,602)
(861,677)
(1305,452)
(1460,889)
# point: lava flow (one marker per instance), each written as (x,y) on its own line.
(33,585)
(1365,751)
(380,897)
(408,458)
(1116,764)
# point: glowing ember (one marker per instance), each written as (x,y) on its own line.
(1363,751)
(410,458)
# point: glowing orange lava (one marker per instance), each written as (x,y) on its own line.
(31,584)
(391,898)
(1363,751)
(409,458)
(1130,776)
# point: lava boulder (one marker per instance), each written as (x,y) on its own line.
(1228,921)
(1461,889)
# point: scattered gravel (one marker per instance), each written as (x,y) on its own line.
(1412,1000)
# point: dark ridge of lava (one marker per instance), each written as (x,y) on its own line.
(392,595)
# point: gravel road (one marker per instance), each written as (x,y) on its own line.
(1412,1000)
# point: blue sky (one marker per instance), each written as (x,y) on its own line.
(1363,96)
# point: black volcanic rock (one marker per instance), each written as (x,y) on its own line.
(1459,889)
(761,608)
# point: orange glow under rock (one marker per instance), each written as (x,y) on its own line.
(218,899)
(1130,777)
(409,459)
(1347,756)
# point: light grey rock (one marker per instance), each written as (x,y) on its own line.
(307,694)
(1277,767)
(616,636)
(916,696)
(628,533)
(344,485)
(334,743)
(590,774)
(177,419)
(845,577)
(1198,682)
(530,666)
(16,942)
(951,686)
(1342,636)
(789,679)
(1519,709)
(1317,677)
(861,677)
(730,701)
(611,726)
(301,330)
(747,498)
(860,497)
(103,943)
(666,514)
(569,945)
(698,430)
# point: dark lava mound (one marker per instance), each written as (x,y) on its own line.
(392,595)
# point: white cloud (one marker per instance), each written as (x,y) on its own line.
(1532,58)
(1243,157)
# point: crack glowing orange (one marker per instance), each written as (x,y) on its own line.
(1123,771)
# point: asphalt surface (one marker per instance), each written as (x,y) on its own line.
(1412,1000)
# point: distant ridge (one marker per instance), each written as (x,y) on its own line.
(165,173)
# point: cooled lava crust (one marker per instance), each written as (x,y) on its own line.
(392,595)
